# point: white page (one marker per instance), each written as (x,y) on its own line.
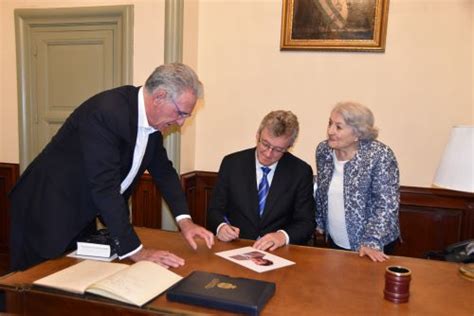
(78,277)
(251,258)
(138,284)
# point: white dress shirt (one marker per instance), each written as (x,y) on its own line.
(143,132)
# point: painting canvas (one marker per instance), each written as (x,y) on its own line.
(334,24)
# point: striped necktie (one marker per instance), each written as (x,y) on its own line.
(263,188)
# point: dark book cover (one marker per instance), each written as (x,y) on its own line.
(240,295)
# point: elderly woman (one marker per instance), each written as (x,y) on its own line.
(357,193)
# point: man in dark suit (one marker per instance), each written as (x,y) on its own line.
(91,165)
(265,193)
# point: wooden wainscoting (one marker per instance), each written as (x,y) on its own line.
(146,203)
(431,219)
(9,174)
(146,199)
(198,186)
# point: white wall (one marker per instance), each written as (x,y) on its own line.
(417,89)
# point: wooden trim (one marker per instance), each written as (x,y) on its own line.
(9,174)
(431,219)
(198,186)
(146,203)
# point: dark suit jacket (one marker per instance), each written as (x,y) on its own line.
(289,206)
(78,175)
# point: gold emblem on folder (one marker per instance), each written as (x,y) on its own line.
(227,286)
(221,285)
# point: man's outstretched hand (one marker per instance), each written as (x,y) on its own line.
(191,230)
(162,257)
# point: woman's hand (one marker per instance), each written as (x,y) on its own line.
(374,254)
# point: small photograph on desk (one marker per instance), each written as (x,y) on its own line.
(253,259)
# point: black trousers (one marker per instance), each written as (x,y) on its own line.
(2,301)
(388,249)
(24,256)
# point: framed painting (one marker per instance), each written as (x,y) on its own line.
(342,25)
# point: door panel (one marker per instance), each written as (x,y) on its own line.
(65,56)
(71,65)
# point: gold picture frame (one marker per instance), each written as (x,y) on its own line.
(340,25)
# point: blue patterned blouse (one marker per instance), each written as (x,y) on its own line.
(371,194)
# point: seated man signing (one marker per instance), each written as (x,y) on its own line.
(265,193)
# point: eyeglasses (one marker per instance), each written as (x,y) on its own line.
(181,114)
(267,146)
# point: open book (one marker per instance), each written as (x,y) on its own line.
(133,284)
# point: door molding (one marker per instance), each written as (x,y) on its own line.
(174,12)
(29,20)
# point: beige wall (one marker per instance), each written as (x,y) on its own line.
(417,89)
(148,53)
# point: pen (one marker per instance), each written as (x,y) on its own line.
(226,220)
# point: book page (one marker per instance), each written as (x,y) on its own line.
(136,285)
(78,277)
(256,260)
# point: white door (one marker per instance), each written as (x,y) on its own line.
(64,57)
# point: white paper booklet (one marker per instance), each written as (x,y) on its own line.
(253,259)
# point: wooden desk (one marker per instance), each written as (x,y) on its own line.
(323,282)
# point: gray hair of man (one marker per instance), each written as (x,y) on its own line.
(359,117)
(175,79)
(281,123)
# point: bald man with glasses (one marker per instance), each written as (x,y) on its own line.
(91,165)
(265,193)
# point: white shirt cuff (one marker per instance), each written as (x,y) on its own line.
(287,238)
(181,217)
(131,253)
(219,227)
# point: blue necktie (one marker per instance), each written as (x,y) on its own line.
(263,188)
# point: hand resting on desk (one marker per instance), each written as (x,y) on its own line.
(374,254)
(162,257)
(191,230)
(270,241)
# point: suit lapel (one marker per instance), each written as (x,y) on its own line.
(127,152)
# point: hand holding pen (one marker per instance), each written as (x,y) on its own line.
(227,232)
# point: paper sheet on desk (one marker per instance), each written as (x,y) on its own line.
(253,259)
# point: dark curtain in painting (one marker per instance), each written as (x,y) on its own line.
(333,19)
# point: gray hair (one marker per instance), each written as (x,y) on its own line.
(359,117)
(175,79)
(281,123)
